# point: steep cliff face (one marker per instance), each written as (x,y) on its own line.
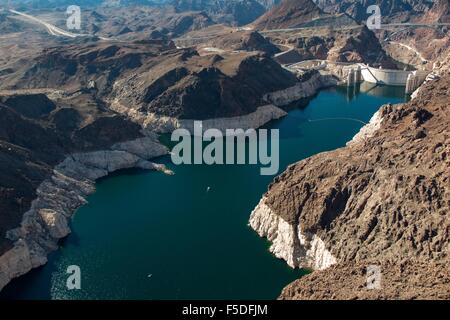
(310,83)
(383,197)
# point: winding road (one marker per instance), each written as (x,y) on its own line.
(409,48)
(53,30)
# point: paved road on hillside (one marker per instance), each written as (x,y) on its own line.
(409,48)
(53,30)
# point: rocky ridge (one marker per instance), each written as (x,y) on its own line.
(413,46)
(391,10)
(157,79)
(241,41)
(381,199)
(233,12)
(348,281)
(358,45)
(299,13)
(47,221)
(271,107)
(51,151)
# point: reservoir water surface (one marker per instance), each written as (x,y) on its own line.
(146,235)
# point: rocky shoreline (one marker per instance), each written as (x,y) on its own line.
(383,199)
(273,110)
(73,179)
(288,241)
(301,90)
(58,197)
(163,124)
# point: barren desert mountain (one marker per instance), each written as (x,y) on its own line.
(383,196)
(427,44)
(248,41)
(188,86)
(439,12)
(73,66)
(146,20)
(391,10)
(349,42)
(157,78)
(52,4)
(229,40)
(299,13)
(433,43)
(136,22)
(8,24)
(357,44)
(289,14)
(234,12)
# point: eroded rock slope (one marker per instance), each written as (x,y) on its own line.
(382,199)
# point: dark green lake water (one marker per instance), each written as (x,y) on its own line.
(195,244)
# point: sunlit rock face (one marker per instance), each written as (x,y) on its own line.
(382,199)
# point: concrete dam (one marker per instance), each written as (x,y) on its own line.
(390,77)
(353,73)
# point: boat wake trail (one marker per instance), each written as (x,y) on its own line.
(328,119)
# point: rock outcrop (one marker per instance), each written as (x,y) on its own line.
(357,44)
(412,46)
(381,199)
(234,12)
(51,152)
(288,241)
(391,10)
(273,105)
(157,79)
(349,282)
(310,83)
(289,14)
(241,40)
(299,13)
(61,194)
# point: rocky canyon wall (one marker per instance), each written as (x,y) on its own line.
(383,199)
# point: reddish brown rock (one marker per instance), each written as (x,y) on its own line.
(384,197)
(402,280)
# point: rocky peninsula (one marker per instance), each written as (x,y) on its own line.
(383,199)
